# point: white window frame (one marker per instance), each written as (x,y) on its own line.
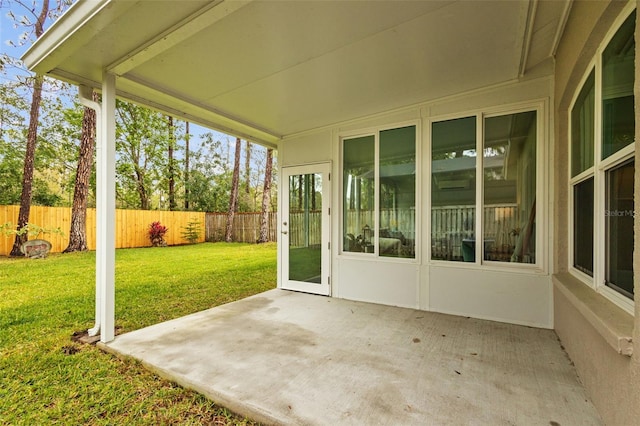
(429,176)
(584,175)
(542,182)
(375,132)
(598,172)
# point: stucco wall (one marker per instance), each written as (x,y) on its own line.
(612,380)
(518,294)
(587,25)
(314,147)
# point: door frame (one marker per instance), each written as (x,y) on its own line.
(324,287)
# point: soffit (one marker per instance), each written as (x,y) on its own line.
(264,70)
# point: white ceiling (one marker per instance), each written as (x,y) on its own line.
(267,69)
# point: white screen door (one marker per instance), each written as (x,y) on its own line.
(305,228)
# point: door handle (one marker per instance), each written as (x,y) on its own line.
(284,232)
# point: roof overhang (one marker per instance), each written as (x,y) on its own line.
(263,70)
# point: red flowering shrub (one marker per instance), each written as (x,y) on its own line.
(156,234)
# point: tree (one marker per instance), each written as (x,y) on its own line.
(141,142)
(11,105)
(313,193)
(187,136)
(32,134)
(53,155)
(78,229)
(266,199)
(300,192)
(209,176)
(233,198)
(255,181)
(247,168)
(59,138)
(11,142)
(171,165)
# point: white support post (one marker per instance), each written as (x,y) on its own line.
(106,210)
(86,99)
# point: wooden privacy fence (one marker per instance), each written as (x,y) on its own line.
(131,226)
(402,220)
(297,236)
(246,227)
(450,225)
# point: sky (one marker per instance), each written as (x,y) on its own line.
(9,34)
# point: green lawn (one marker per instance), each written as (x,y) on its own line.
(305,264)
(47,378)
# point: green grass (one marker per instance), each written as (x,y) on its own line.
(305,264)
(46,378)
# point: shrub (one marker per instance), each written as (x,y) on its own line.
(191,232)
(31,229)
(156,234)
(32,249)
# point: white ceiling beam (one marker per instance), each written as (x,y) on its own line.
(176,34)
(72,78)
(527,36)
(194,111)
(562,22)
(178,107)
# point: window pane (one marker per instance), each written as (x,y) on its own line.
(510,188)
(305,228)
(583,226)
(582,128)
(358,194)
(397,192)
(618,125)
(619,228)
(453,189)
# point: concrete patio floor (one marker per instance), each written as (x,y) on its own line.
(282,357)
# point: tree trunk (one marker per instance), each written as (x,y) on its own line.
(247,169)
(300,189)
(78,230)
(233,198)
(172,179)
(313,192)
(266,199)
(186,167)
(32,136)
(27,173)
(142,190)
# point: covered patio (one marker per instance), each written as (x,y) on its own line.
(283,357)
(391,119)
